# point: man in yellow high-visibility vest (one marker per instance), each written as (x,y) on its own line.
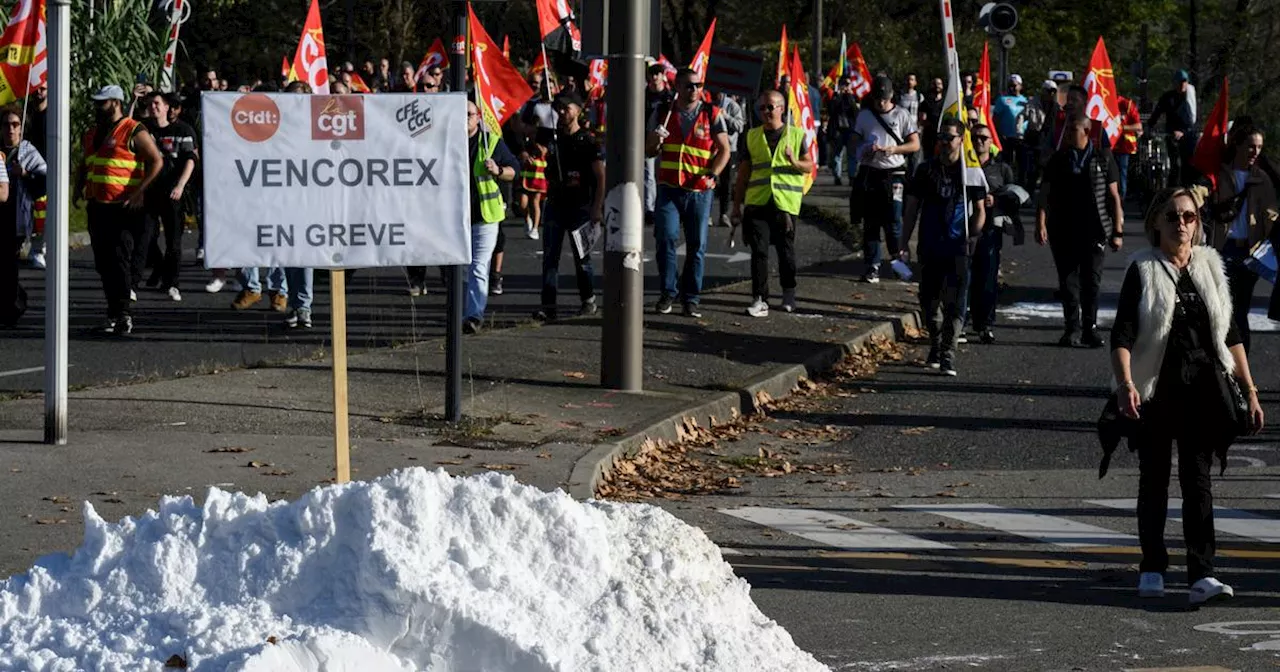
(771,176)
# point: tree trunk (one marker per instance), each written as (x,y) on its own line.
(1193,57)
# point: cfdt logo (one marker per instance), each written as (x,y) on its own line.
(255,117)
(337,118)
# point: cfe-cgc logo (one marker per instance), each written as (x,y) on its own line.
(255,117)
(337,118)
(414,117)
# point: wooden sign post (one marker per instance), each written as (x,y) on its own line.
(341,427)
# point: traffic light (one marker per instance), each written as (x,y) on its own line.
(998,18)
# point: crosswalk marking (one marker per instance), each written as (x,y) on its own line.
(1232,521)
(834,530)
(1041,527)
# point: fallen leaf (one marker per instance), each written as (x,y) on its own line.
(229,449)
(58,499)
(449,462)
(916,431)
(575,374)
(51,521)
(113,500)
(256,464)
(543,456)
(177,662)
(600,404)
(272,639)
(500,466)
(278,472)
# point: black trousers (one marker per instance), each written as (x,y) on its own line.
(142,240)
(765,226)
(1182,424)
(13,298)
(1079,267)
(724,184)
(1242,281)
(166,217)
(984,285)
(942,280)
(113,232)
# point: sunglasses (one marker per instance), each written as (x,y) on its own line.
(1184,217)
(982,138)
(768,108)
(946,137)
(693,85)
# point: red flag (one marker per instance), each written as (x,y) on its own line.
(22,44)
(1104,101)
(309,62)
(358,85)
(982,96)
(556,25)
(597,77)
(782,58)
(436,57)
(506,47)
(284,68)
(668,68)
(802,110)
(1208,155)
(500,89)
(858,71)
(703,56)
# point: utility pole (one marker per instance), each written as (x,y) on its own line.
(58,137)
(622,345)
(457,274)
(817,41)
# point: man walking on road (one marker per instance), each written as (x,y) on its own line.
(950,216)
(177,144)
(771,176)
(882,139)
(984,283)
(1127,144)
(735,122)
(120,163)
(692,146)
(842,114)
(1079,215)
(575,198)
(490,161)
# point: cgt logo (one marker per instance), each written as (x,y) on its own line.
(337,118)
(255,117)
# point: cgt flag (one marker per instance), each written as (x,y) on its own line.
(309,62)
(982,97)
(436,57)
(858,71)
(25,59)
(358,85)
(953,102)
(801,111)
(703,56)
(1209,151)
(500,89)
(1104,101)
(597,77)
(556,24)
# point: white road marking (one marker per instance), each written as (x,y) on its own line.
(833,530)
(21,372)
(1041,527)
(1232,521)
(1258,320)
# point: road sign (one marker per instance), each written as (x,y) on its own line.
(735,71)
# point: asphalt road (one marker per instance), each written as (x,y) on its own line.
(1022,559)
(202,333)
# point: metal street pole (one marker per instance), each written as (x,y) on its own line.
(622,346)
(817,41)
(58,138)
(457,274)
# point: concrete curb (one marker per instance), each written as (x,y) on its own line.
(593,467)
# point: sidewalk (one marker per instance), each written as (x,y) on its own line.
(532,405)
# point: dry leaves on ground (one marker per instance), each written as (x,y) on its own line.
(229,449)
(577,375)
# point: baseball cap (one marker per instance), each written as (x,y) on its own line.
(569,99)
(1015,79)
(1049,85)
(1181,76)
(109,92)
(883,87)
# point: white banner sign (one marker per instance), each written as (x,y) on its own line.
(318,181)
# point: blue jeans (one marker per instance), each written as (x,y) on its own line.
(558,222)
(300,282)
(276,280)
(1122,162)
(838,152)
(679,209)
(650,184)
(484,237)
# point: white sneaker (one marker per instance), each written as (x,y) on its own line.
(534,235)
(758,309)
(215,285)
(789,300)
(528,227)
(37,260)
(133,296)
(200,254)
(1209,589)
(175,294)
(1151,584)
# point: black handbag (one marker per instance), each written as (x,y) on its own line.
(1237,405)
(1113,426)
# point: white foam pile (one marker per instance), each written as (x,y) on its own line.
(414,571)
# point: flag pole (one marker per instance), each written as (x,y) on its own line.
(546,81)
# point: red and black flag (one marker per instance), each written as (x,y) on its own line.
(556,22)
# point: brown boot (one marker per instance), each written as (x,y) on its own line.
(246,299)
(279,302)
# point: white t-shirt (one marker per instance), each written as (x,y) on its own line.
(873,132)
(1240,228)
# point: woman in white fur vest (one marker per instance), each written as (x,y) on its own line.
(1172,341)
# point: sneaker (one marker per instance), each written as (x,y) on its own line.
(789,300)
(124,327)
(298,319)
(1208,590)
(1069,340)
(544,315)
(471,326)
(495,284)
(962,338)
(725,221)
(933,361)
(246,299)
(133,296)
(280,302)
(37,260)
(175,294)
(534,235)
(417,290)
(872,277)
(528,228)
(663,306)
(987,337)
(691,310)
(107,327)
(947,366)
(1151,584)
(215,285)
(200,254)
(589,308)
(1091,339)
(758,308)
